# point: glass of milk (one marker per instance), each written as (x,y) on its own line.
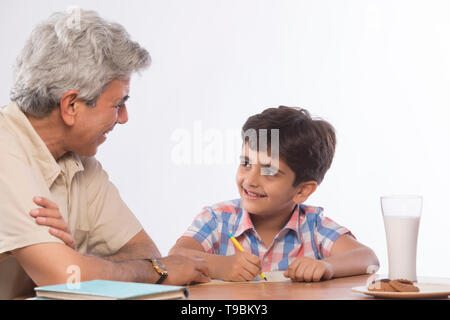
(401,216)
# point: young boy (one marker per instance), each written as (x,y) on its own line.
(270,221)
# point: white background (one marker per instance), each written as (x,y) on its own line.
(379,71)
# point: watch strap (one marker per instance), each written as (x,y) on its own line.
(159,268)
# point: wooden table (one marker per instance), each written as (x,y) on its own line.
(335,289)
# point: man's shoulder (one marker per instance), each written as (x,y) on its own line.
(10,144)
(7,137)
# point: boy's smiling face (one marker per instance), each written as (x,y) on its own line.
(266,191)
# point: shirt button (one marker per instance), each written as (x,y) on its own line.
(266,259)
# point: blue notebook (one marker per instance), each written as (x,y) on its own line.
(111,290)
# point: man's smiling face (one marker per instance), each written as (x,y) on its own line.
(93,124)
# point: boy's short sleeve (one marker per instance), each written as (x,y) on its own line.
(204,230)
(327,232)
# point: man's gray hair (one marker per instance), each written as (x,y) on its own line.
(73,50)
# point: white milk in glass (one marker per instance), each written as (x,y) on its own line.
(401,237)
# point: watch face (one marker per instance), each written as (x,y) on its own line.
(159,267)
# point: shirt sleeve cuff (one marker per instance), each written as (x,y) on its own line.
(121,239)
(329,242)
(41,236)
(201,238)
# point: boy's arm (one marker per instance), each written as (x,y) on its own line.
(349,257)
(190,247)
(241,266)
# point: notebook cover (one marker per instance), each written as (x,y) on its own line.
(112,289)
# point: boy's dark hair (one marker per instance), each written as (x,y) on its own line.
(307,145)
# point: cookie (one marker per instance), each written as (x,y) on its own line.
(403,285)
(381,285)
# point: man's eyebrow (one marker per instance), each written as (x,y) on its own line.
(122,101)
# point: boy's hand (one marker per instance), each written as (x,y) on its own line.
(50,216)
(307,269)
(242,266)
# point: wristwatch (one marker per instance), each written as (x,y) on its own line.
(159,268)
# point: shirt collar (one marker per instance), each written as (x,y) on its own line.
(292,224)
(36,147)
(70,164)
(244,224)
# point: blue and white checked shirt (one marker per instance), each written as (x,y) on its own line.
(307,234)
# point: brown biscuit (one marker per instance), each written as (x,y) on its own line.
(403,285)
(381,285)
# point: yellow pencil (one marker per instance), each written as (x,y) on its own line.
(238,245)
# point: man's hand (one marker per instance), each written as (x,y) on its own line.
(50,216)
(185,270)
(242,266)
(307,269)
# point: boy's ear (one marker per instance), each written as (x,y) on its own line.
(68,106)
(305,189)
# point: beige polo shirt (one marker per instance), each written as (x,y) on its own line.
(98,219)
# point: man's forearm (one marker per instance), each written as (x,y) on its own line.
(68,265)
(130,270)
(140,246)
(133,252)
(354,262)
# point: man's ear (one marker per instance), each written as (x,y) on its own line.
(68,107)
(304,190)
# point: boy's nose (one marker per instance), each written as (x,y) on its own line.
(252,177)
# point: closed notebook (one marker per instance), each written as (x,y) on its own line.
(111,290)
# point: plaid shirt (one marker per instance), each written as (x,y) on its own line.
(307,234)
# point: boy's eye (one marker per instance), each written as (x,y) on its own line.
(268,171)
(245,163)
(119,106)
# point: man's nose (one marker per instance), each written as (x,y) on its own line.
(122,116)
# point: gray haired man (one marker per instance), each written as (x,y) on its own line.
(61,218)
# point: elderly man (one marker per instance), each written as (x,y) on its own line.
(72,82)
